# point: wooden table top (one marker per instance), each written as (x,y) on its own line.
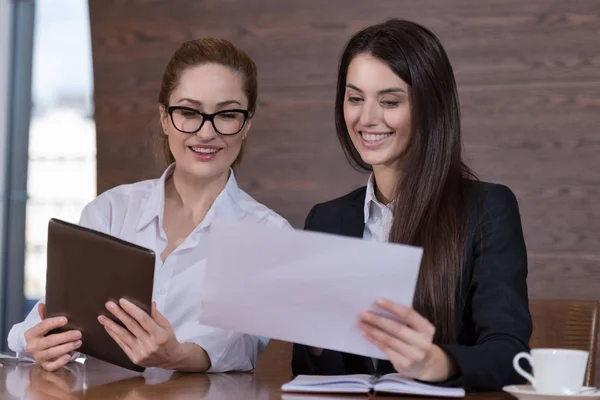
(95,379)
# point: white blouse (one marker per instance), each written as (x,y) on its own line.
(377,216)
(134,212)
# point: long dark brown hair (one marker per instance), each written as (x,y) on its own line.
(430,209)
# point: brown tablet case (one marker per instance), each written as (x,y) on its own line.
(86,269)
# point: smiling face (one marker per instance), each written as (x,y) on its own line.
(207,88)
(376,111)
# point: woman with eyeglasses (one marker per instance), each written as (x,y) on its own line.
(397,116)
(206,102)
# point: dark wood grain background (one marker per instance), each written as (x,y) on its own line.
(528,75)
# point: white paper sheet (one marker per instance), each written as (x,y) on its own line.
(302,287)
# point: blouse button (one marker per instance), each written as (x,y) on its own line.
(161,291)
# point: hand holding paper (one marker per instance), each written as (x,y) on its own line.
(409,346)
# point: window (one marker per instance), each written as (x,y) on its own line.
(62,137)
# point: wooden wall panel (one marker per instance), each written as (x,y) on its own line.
(528,76)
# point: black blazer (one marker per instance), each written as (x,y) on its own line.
(493,321)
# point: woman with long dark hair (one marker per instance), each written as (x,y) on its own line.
(397,114)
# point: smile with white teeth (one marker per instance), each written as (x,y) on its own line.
(204,150)
(374,137)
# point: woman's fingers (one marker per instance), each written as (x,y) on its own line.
(55,352)
(132,325)
(56,364)
(45,326)
(407,315)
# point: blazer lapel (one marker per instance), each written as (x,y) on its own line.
(353,221)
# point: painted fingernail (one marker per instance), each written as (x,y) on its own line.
(63,320)
(78,343)
(77,335)
(125,301)
(110,304)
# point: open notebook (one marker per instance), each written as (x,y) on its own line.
(389,383)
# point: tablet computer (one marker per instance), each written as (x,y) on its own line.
(87,268)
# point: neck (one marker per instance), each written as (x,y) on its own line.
(195,195)
(385,183)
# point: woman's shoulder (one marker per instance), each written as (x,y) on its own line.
(490,203)
(124,194)
(488,195)
(328,216)
(116,203)
(258,212)
(339,204)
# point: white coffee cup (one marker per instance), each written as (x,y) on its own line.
(557,371)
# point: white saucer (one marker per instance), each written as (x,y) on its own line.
(526,392)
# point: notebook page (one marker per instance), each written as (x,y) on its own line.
(330,396)
(395,383)
(329,384)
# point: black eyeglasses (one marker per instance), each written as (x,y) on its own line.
(190,120)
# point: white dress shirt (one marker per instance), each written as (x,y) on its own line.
(134,212)
(378,217)
(378,221)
